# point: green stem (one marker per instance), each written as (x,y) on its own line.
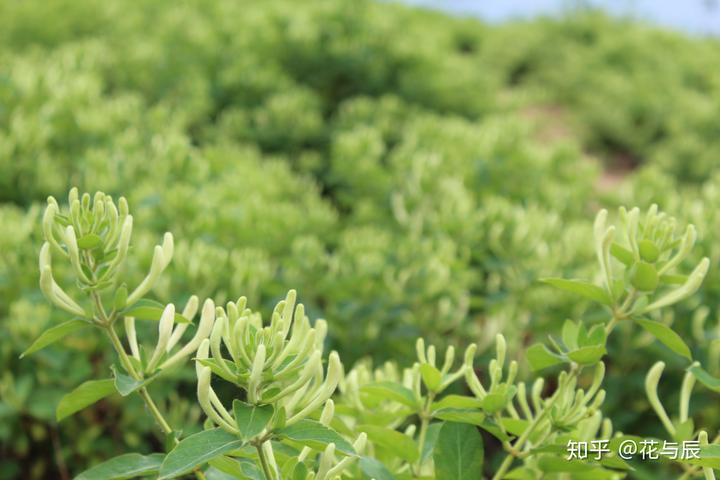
(520,442)
(425,418)
(122,354)
(264,462)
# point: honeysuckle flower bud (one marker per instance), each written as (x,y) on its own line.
(168,248)
(48,223)
(690,286)
(327,413)
(205,392)
(334,372)
(167,320)
(602,246)
(131,334)
(359,445)
(215,342)
(651,383)
(500,348)
(125,235)
(256,373)
(685,394)
(470,377)
(188,312)
(449,359)
(536,394)
(156,268)
(327,459)
(523,401)
(205,326)
(51,289)
(606,429)
(420,349)
(708,472)
(686,245)
(431,355)
(74,253)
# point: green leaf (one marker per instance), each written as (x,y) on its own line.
(709,457)
(129,465)
(398,443)
(516,426)
(84,395)
(582,288)
(667,337)
(430,440)
(316,435)
(391,391)
(705,378)
(459,452)
(520,473)
(196,450)
(461,415)
(120,299)
(622,254)
(496,401)
(213,364)
(54,334)
(553,464)
(125,385)
(89,241)
(431,376)
(457,401)
(146,309)
(374,469)
(243,468)
(684,430)
(570,334)
(587,355)
(539,357)
(299,472)
(251,419)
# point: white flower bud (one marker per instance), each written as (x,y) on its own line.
(207,319)
(156,268)
(256,374)
(74,253)
(685,290)
(131,335)
(685,394)
(651,383)
(167,320)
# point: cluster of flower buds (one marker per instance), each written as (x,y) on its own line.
(501,390)
(279,364)
(169,336)
(94,235)
(364,409)
(572,405)
(650,251)
(329,467)
(435,380)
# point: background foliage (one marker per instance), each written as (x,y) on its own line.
(408,172)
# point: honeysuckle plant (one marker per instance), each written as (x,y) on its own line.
(277,407)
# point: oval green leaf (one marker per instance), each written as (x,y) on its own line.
(54,334)
(667,337)
(196,450)
(130,465)
(459,452)
(84,395)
